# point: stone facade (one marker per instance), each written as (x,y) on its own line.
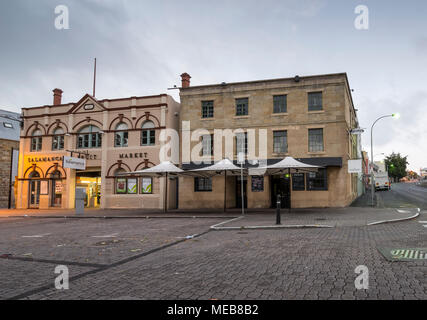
(41,171)
(6,147)
(337,117)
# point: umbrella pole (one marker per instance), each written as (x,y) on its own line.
(165,209)
(225,190)
(290,190)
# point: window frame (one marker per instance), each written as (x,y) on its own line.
(286,140)
(149,134)
(123,135)
(206,186)
(324,179)
(316,107)
(207,109)
(285,105)
(93,138)
(311,146)
(36,141)
(141,184)
(208,147)
(240,106)
(245,143)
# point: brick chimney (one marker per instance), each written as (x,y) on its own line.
(57,96)
(185,80)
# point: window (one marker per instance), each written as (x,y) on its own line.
(207,109)
(298,182)
(317,180)
(132,185)
(89,137)
(257,183)
(207,145)
(121,182)
(121,135)
(146,185)
(148,135)
(58,139)
(315,140)
(315,101)
(242,143)
(279,104)
(8,125)
(242,107)
(202,184)
(36,140)
(280,141)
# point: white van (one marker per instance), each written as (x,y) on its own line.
(382,182)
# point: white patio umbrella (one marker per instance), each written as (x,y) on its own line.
(225,165)
(161,170)
(289,165)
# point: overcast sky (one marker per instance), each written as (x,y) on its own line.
(143,46)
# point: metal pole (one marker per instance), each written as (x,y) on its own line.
(225,190)
(278,205)
(166,194)
(372,158)
(241,184)
(290,190)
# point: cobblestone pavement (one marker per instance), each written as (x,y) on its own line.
(249,264)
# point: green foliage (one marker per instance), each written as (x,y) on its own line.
(396,165)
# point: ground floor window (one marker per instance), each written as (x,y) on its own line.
(298,182)
(121,185)
(257,183)
(202,184)
(317,180)
(146,185)
(132,185)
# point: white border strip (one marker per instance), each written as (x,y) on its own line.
(396,220)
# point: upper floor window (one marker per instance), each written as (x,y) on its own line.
(121,135)
(207,145)
(242,107)
(207,109)
(280,141)
(36,140)
(280,104)
(315,140)
(315,101)
(242,143)
(58,139)
(148,135)
(89,137)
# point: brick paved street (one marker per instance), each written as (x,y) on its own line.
(241,264)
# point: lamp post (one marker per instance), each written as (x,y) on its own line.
(396,116)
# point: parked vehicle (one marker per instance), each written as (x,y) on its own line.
(382,181)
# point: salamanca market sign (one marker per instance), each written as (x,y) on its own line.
(44,159)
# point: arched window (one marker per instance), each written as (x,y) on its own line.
(148,135)
(89,137)
(121,135)
(58,139)
(36,140)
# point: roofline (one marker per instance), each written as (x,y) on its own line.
(266,80)
(103,100)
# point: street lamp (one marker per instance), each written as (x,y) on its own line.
(393,115)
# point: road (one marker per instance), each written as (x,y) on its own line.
(403,195)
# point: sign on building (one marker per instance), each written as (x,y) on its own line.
(355,166)
(74,163)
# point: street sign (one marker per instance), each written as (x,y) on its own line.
(355,166)
(74,163)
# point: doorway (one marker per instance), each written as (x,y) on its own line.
(56,189)
(34,190)
(281,185)
(239,192)
(91,183)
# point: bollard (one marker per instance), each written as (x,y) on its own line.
(278,209)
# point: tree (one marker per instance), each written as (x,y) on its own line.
(412,174)
(396,166)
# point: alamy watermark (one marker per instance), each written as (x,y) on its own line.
(362,280)
(62,20)
(62,281)
(362,20)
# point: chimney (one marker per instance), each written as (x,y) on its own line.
(57,96)
(185,80)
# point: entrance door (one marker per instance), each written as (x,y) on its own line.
(239,192)
(280,185)
(34,191)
